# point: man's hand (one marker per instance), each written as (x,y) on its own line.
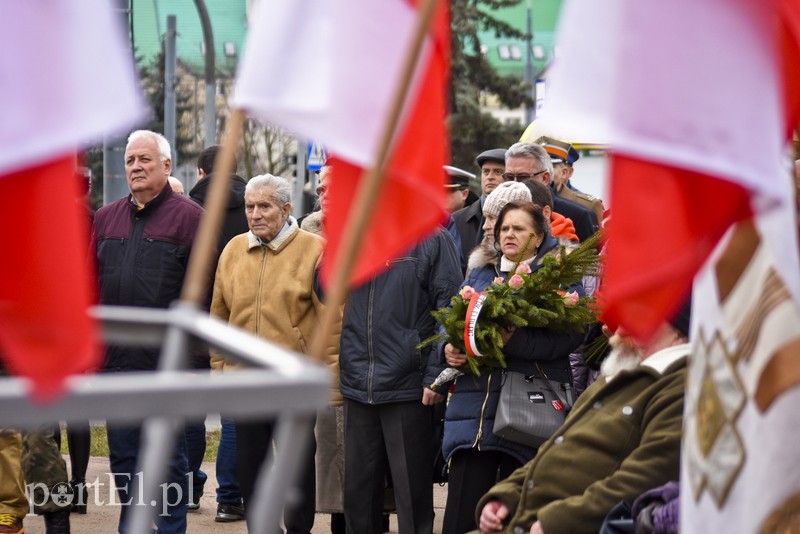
(453,357)
(430,397)
(492,516)
(536,528)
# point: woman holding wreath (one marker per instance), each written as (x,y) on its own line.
(477,458)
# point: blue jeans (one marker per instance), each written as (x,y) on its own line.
(228,490)
(123,455)
(195,450)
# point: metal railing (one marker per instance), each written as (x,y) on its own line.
(276,384)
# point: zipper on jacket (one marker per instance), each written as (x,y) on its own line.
(370,353)
(258,291)
(479,436)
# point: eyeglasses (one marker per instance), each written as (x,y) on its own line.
(508,177)
(321,190)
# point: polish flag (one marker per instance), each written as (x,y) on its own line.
(68,80)
(327,70)
(696,100)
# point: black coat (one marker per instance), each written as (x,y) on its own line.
(469,223)
(386,318)
(234,221)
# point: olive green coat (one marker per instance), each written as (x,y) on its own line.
(621,439)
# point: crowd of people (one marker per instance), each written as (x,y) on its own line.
(374,449)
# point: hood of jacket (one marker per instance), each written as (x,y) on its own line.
(235,196)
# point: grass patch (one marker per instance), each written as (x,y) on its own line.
(99,446)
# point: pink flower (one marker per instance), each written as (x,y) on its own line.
(498,280)
(570,299)
(524,268)
(516,282)
(466,292)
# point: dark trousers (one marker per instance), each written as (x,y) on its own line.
(394,437)
(123,455)
(253,442)
(195,450)
(472,474)
(227,479)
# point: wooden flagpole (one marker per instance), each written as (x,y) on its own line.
(368,190)
(198,272)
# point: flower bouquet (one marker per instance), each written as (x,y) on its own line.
(475,319)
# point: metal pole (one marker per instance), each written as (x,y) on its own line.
(211,87)
(300,181)
(530,110)
(169,86)
(115,185)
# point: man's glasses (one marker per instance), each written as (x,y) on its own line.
(321,190)
(508,177)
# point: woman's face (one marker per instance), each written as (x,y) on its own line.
(515,228)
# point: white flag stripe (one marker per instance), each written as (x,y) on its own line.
(690,84)
(68,79)
(326,69)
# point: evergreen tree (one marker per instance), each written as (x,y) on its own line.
(472,130)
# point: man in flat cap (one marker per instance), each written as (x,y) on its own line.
(469,220)
(563,156)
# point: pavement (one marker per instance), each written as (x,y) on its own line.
(102,516)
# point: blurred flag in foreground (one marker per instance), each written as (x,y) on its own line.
(696,101)
(327,70)
(739,472)
(68,80)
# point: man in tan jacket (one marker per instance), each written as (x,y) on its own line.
(265,284)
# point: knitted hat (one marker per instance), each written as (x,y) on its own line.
(503,194)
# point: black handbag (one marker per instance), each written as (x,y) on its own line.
(531,408)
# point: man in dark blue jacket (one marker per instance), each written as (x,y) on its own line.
(143,242)
(384,382)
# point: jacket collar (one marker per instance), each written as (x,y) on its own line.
(154,203)
(277,243)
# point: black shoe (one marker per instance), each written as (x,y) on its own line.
(194,503)
(228,512)
(56,522)
(385,523)
(80,496)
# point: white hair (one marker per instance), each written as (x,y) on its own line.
(281,190)
(161,141)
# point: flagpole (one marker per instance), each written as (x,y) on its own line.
(198,275)
(367,192)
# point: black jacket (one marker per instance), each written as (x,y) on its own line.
(141,260)
(386,318)
(234,221)
(469,223)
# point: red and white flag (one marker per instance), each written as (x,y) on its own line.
(696,100)
(327,70)
(68,80)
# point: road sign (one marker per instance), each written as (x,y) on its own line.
(316,156)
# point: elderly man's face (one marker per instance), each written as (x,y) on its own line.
(322,190)
(265,216)
(528,168)
(147,174)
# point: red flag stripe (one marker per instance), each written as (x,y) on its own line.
(46,284)
(673,219)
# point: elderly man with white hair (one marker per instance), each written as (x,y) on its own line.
(265,284)
(143,243)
